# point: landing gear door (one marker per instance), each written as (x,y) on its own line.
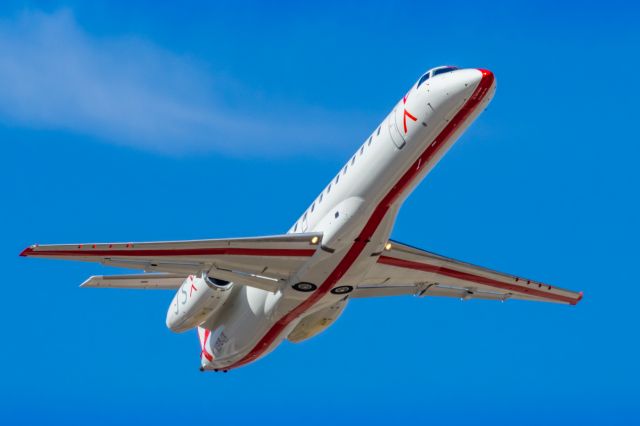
(394,131)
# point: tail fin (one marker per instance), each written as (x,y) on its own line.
(205,356)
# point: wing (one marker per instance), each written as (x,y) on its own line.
(260,262)
(407,270)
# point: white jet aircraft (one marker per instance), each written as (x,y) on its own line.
(246,295)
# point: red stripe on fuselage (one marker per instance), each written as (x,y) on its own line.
(440,270)
(374,221)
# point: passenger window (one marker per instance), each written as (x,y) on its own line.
(320,200)
(378,133)
(353,160)
(313,206)
(295,228)
(362,148)
(337,178)
(344,171)
(370,139)
(329,188)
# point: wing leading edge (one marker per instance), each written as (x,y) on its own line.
(407,270)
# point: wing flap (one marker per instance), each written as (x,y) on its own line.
(426,290)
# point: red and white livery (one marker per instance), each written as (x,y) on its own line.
(246,295)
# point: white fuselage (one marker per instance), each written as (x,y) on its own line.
(355,213)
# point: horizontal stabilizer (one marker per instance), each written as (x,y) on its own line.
(136,281)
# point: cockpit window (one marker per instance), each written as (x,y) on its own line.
(433,72)
(442,70)
(422,79)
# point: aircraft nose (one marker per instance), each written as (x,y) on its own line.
(476,83)
(462,83)
(467,86)
(473,77)
(485,72)
(487,78)
(486,88)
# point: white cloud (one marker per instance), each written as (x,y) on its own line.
(125,90)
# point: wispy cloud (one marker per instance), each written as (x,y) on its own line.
(127,90)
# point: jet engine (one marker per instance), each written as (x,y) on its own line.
(197,299)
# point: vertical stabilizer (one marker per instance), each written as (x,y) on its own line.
(206,357)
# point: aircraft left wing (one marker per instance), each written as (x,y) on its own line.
(260,262)
(407,270)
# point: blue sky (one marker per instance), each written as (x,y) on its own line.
(145,121)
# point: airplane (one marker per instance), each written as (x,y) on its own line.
(246,296)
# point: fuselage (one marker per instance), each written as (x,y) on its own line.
(355,213)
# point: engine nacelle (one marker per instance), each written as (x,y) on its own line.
(195,301)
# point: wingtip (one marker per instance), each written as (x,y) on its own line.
(26,252)
(578,299)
